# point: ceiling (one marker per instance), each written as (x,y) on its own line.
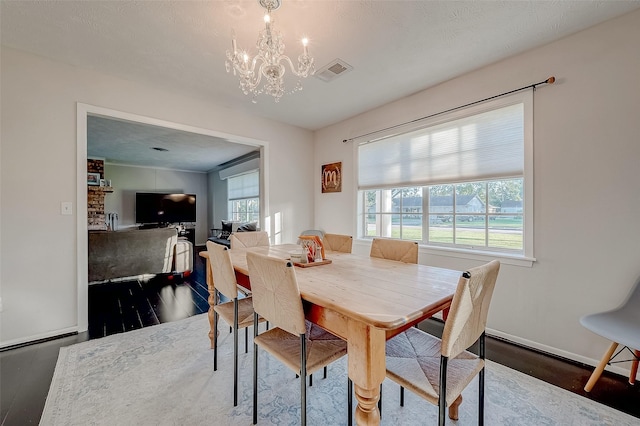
(125,142)
(396,48)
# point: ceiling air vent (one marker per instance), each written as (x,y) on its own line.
(335,69)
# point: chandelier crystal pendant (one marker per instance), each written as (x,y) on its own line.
(270,60)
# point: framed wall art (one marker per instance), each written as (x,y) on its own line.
(93,179)
(332,177)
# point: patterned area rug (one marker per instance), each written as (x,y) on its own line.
(163,375)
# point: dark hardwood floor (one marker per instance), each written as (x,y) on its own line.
(26,372)
(124,306)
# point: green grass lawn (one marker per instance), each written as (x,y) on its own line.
(464,236)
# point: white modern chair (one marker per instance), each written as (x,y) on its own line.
(622,327)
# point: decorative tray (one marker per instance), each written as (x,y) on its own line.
(308,265)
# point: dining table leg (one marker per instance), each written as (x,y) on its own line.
(367,369)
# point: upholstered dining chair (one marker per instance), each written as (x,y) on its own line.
(622,327)
(439,370)
(337,242)
(249,239)
(298,344)
(237,312)
(400,250)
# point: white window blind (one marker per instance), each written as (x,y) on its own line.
(243,186)
(485,145)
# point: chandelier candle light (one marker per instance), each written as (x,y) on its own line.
(271,59)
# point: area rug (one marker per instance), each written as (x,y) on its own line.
(163,375)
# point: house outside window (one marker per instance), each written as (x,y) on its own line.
(461,182)
(243,193)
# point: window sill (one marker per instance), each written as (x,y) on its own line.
(505,258)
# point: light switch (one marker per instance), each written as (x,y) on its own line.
(66,207)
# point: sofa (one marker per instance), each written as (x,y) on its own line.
(134,252)
(221,235)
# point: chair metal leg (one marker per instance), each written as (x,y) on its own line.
(481,352)
(442,399)
(303,381)
(325,371)
(401,396)
(600,368)
(349,402)
(246,340)
(255,370)
(215,339)
(235,352)
(380,401)
(310,380)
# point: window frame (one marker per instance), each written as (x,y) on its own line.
(526,257)
(231,213)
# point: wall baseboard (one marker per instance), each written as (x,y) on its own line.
(38,338)
(554,351)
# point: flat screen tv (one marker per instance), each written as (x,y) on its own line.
(152,207)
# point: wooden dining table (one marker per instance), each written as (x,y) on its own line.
(365,301)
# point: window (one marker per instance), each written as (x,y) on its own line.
(243,193)
(462,182)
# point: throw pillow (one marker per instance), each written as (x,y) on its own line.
(248,227)
(227,228)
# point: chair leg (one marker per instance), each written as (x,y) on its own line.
(600,368)
(246,340)
(380,401)
(325,371)
(255,370)
(350,402)
(401,396)
(442,399)
(480,383)
(215,342)
(634,368)
(310,380)
(235,352)
(303,381)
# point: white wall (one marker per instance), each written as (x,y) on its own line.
(38,171)
(586,184)
(127,180)
(218,200)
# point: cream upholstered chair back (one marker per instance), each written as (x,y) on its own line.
(467,318)
(224,277)
(249,239)
(276,296)
(337,242)
(399,250)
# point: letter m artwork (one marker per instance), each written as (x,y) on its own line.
(332,177)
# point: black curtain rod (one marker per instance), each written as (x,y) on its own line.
(550,80)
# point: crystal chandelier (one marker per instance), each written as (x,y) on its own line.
(270,60)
